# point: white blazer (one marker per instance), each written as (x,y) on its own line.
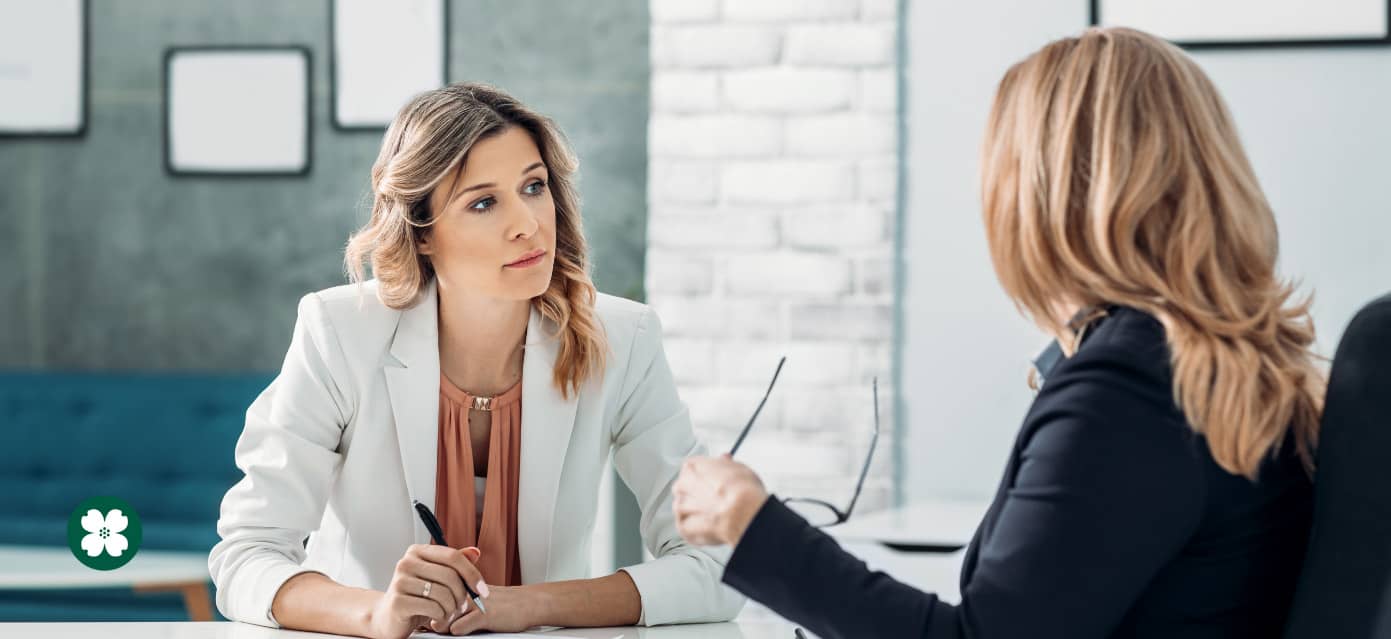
(338,445)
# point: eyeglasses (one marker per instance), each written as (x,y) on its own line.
(818,513)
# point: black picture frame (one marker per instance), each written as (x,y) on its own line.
(84,86)
(1094,19)
(171,52)
(333,69)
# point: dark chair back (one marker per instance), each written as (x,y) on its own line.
(1345,586)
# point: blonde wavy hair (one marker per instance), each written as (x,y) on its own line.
(429,139)
(1112,174)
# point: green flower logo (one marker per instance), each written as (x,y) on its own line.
(104,533)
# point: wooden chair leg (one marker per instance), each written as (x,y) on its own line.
(197,600)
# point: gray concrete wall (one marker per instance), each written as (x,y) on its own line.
(106,262)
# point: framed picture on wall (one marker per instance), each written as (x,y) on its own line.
(43,68)
(1252,23)
(237,110)
(384,52)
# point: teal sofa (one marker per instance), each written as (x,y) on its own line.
(161,441)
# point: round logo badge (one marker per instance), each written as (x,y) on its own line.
(104,533)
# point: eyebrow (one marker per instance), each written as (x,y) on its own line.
(488,185)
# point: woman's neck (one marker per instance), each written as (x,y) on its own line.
(480,341)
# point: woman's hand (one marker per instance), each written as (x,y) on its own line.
(427,590)
(714,499)
(510,609)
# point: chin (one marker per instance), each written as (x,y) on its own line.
(538,284)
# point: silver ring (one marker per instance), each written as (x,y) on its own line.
(426,593)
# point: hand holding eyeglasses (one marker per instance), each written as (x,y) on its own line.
(716,498)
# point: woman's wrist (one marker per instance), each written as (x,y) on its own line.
(540,609)
(744,507)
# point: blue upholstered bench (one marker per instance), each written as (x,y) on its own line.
(162,442)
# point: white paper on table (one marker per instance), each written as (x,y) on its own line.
(508,635)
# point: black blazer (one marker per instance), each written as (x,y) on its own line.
(1112,520)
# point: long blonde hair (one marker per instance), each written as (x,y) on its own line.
(428,140)
(1112,174)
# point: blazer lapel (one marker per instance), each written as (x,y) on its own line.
(413,384)
(547,421)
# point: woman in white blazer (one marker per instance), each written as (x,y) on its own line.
(480,279)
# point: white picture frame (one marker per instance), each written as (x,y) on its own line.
(43,68)
(383,52)
(1252,23)
(237,110)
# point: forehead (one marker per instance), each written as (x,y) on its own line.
(499,156)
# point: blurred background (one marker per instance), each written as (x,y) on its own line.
(775,177)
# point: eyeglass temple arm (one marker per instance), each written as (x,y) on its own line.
(864,471)
(841,516)
(745,433)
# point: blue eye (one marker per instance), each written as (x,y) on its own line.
(535,188)
(483,205)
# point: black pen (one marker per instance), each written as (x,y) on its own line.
(437,534)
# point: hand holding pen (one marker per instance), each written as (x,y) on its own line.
(431,587)
(427,589)
(437,535)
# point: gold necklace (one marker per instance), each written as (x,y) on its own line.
(485,403)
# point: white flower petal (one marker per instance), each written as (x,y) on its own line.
(116,521)
(92,544)
(116,544)
(92,521)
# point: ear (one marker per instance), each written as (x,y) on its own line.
(420,212)
(425,244)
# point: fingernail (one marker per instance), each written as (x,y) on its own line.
(482,589)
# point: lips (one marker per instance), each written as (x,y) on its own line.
(531,257)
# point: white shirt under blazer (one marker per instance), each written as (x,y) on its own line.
(346,435)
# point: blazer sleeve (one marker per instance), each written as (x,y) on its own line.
(651,439)
(1106,491)
(289,453)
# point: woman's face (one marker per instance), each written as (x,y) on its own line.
(494,235)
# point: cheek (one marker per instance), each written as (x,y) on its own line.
(462,245)
(545,217)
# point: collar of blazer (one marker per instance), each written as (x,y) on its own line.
(547,420)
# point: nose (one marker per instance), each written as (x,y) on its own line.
(523,224)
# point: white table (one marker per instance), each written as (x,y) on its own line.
(929,526)
(48,567)
(233,630)
(922,545)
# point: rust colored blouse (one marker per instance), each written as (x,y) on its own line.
(481,511)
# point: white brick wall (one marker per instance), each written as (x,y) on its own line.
(772,187)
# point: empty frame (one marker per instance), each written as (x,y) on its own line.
(384,52)
(1251,23)
(43,54)
(237,110)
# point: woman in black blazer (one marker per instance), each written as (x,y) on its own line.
(1159,486)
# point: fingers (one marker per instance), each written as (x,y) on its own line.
(447,588)
(697,528)
(456,559)
(713,468)
(411,607)
(469,623)
(695,466)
